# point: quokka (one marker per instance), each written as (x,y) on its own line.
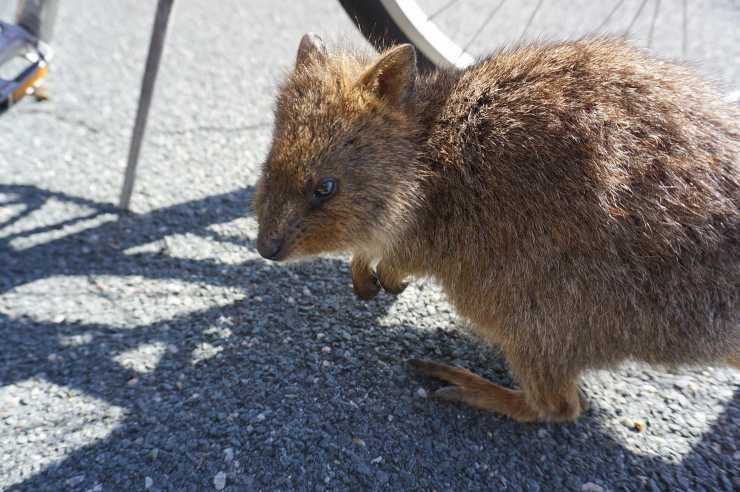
(577,202)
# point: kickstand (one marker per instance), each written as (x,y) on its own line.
(145,97)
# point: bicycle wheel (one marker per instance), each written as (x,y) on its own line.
(453,33)
(383,23)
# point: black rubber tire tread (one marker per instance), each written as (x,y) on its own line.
(374,22)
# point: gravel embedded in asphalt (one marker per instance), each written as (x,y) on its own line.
(156,350)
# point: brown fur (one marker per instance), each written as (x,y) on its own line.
(578,202)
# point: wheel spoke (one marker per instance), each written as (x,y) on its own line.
(442,9)
(634,19)
(652,24)
(483,26)
(531,18)
(609,17)
(684,47)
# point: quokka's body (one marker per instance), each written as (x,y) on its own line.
(578,202)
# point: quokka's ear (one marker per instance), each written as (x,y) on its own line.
(393,76)
(311,47)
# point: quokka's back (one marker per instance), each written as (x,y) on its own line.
(591,168)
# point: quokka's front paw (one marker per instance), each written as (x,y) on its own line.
(389,279)
(367,284)
(366,288)
(364,282)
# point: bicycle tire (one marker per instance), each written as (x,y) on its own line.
(378,27)
(388,22)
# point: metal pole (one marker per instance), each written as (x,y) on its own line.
(37,17)
(145,97)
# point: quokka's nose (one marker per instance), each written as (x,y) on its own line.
(270,248)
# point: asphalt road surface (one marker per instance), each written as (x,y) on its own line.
(158,351)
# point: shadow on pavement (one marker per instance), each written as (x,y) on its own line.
(292,413)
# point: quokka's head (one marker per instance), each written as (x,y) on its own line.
(340,174)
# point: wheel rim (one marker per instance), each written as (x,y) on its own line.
(435,38)
(425,34)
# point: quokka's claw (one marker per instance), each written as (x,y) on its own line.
(450,393)
(395,290)
(436,370)
(419,364)
(368,289)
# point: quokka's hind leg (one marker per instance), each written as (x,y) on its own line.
(734,361)
(476,391)
(532,404)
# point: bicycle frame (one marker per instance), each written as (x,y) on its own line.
(37,17)
(27,39)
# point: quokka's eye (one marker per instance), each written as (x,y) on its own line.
(326,188)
